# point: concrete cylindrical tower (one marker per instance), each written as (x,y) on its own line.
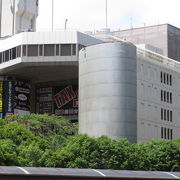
(108,91)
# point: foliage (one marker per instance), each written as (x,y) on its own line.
(47,141)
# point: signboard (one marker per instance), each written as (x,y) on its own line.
(44,100)
(66,100)
(22,97)
(8,98)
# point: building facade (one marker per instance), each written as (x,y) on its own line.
(128,92)
(163,39)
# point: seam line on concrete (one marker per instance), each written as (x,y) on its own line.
(99,172)
(172,175)
(22,169)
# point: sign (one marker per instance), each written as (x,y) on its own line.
(22,97)
(8,97)
(44,100)
(66,100)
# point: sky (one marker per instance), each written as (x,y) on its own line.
(90,15)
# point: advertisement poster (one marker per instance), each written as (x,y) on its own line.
(66,100)
(8,98)
(22,97)
(44,100)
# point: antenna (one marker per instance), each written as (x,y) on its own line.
(106,13)
(65,24)
(52,14)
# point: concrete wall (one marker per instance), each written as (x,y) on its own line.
(107,91)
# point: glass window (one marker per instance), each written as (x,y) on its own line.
(170,80)
(167,78)
(41,50)
(162,132)
(74,49)
(161,77)
(171,116)
(65,49)
(164,96)
(165,114)
(32,50)
(164,78)
(49,50)
(7,55)
(167,96)
(168,133)
(18,50)
(161,114)
(24,50)
(0,57)
(171,134)
(14,53)
(57,50)
(161,95)
(170,98)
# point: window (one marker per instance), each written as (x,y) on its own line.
(73,49)
(168,133)
(171,134)
(41,50)
(167,78)
(162,132)
(170,80)
(1,58)
(161,114)
(18,50)
(57,50)
(164,78)
(14,53)
(65,49)
(170,97)
(24,50)
(7,55)
(32,50)
(165,114)
(171,116)
(161,77)
(49,50)
(164,96)
(161,95)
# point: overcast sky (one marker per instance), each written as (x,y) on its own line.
(90,14)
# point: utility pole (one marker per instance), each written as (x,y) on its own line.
(0,17)
(52,15)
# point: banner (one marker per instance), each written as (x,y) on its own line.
(44,100)
(8,98)
(22,97)
(66,100)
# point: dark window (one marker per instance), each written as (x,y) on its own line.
(170,79)
(14,53)
(167,78)
(49,50)
(171,116)
(57,50)
(10,54)
(168,133)
(161,77)
(171,134)
(170,98)
(7,55)
(32,50)
(167,115)
(162,132)
(164,96)
(40,50)
(65,49)
(161,95)
(74,49)
(0,57)
(24,50)
(18,49)
(161,114)
(164,78)
(167,96)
